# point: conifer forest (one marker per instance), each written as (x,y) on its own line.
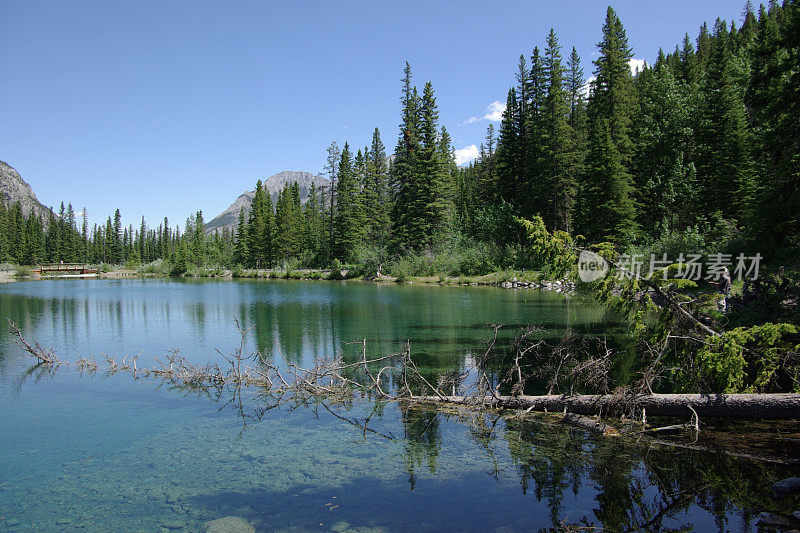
(699,150)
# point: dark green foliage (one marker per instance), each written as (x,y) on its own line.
(779,187)
(313,223)
(509,157)
(763,358)
(608,210)
(349,219)
(260,231)
(331,167)
(663,170)
(377,199)
(241,254)
(558,157)
(725,165)
(422,173)
(288,223)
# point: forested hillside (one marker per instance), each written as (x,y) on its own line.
(699,152)
(701,149)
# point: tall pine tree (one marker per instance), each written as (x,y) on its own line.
(607,208)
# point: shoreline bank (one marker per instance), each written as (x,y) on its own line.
(500,279)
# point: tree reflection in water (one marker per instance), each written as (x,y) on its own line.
(634,483)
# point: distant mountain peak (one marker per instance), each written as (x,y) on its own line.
(15,189)
(274,184)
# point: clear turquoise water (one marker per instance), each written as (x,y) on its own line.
(110,453)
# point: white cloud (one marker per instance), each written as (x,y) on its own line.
(494,113)
(586,89)
(636,64)
(633,63)
(467,154)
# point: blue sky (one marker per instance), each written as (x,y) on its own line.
(163,108)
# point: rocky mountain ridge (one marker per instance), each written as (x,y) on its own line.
(274,184)
(15,189)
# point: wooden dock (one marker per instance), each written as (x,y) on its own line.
(65,269)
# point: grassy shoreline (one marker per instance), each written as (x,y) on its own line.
(502,278)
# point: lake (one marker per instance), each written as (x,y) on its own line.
(108,452)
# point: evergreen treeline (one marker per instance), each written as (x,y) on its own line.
(698,152)
(33,240)
(358,215)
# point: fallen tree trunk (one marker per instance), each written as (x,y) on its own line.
(327,377)
(776,406)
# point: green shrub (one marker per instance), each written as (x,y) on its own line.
(400,268)
(336,269)
(757,359)
(673,243)
(475,261)
(179,268)
(498,224)
(158,266)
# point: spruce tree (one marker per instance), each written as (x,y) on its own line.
(779,191)
(726,161)
(377,197)
(408,202)
(332,169)
(531,196)
(260,229)
(509,153)
(434,181)
(445,187)
(663,172)
(166,248)
(577,123)
(525,115)
(70,241)
(116,240)
(4,244)
(608,211)
(288,225)
(143,242)
(312,222)
(557,163)
(198,245)
(349,220)
(484,190)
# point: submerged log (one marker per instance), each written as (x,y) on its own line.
(775,406)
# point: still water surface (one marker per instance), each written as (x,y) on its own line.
(112,453)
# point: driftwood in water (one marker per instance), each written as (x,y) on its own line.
(329,377)
(775,406)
